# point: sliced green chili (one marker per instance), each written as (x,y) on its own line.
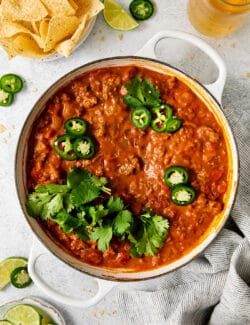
(20,277)
(140,117)
(63,146)
(6,98)
(160,115)
(11,83)
(173,124)
(182,194)
(75,127)
(141,9)
(175,175)
(84,147)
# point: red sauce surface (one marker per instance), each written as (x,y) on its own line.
(134,160)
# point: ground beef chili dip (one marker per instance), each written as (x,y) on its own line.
(134,160)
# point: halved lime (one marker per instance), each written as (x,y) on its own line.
(7,266)
(23,315)
(116,17)
(45,318)
(5,322)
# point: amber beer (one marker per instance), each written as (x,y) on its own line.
(218,18)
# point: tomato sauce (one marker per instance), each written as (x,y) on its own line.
(134,160)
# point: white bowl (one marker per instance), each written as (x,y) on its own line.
(50,310)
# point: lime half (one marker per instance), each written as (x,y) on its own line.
(5,322)
(116,17)
(23,315)
(7,266)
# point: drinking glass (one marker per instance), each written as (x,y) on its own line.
(218,18)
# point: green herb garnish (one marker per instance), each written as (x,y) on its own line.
(152,233)
(141,93)
(147,108)
(74,207)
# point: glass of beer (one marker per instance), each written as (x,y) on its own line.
(218,18)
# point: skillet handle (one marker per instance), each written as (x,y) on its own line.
(216,88)
(103,286)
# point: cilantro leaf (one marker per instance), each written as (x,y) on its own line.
(97,213)
(52,207)
(67,203)
(61,217)
(115,204)
(132,101)
(151,236)
(44,204)
(122,222)
(100,182)
(133,85)
(36,202)
(148,94)
(103,236)
(82,233)
(76,176)
(84,193)
(141,92)
(51,188)
(85,187)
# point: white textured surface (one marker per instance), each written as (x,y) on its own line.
(15,235)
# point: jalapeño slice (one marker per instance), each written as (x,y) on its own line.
(182,194)
(11,83)
(20,277)
(84,147)
(176,175)
(63,146)
(140,117)
(75,127)
(6,98)
(141,9)
(160,115)
(173,125)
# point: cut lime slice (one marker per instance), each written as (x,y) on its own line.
(7,266)
(116,17)
(45,319)
(5,322)
(23,315)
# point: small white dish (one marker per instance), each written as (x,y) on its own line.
(50,310)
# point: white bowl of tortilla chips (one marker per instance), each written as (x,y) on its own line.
(45,28)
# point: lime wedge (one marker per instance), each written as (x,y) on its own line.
(116,17)
(7,266)
(23,315)
(5,322)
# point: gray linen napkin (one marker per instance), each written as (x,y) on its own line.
(213,289)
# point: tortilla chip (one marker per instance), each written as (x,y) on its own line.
(9,28)
(73,4)
(59,7)
(56,34)
(43,29)
(23,10)
(89,8)
(6,45)
(35,26)
(25,45)
(65,48)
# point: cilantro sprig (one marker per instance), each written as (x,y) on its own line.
(84,204)
(141,93)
